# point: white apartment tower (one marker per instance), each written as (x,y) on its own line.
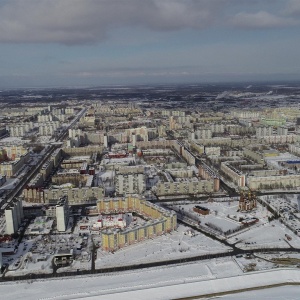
(13,216)
(62,214)
(105,140)
(133,139)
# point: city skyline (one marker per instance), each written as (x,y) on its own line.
(69,43)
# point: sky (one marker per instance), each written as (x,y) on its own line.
(124,42)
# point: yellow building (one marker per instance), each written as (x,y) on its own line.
(160,221)
(15,152)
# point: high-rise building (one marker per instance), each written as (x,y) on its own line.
(62,214)
(13,216)
(133,139)
(105,140)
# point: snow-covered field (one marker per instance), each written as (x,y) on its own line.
(74,287)
(276,293)
(170,246)
(269,235)
(189,280)
(224,214)
(287,207)
(35,255)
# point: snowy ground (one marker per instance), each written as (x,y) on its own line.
(26,264)
(253,263)
(268,235)
(13,140)
(83,286)
(276,293)
(35,255)
(282,201)
(40,225)
(282,157)
(224,214)
(207,277)
(45,139)
(287,207)
(167,247)
(24,261)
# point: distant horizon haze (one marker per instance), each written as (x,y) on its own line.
(126,42)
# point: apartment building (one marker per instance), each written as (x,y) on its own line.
(46,169)
(62,214)
(273,181)
(45,118)
(10,168)
(246,114)
(69,111)
(76,196)
(184,187)
(14,216)
(48,128)
(203,133)
(160,221)
(20,130)
(263,131)
(217,128)
(131,183)
(235,175)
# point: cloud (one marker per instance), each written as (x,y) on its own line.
(88,21)
(293,8)
(75,22)
(154,71)
(261,20)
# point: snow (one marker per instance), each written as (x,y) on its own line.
(45,139)
(254,263)
(276,293)
(268,235)
(188,280)
(34,255)
(166,247)
(12,141)
(223,214)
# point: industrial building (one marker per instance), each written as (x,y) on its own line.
(201,210)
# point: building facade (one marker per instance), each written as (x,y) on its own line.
(157,221)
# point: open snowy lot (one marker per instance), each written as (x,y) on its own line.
(77,287)
(223,214)
(287,207)
(206,277)
(276,293)
(250,263)
(268,235)
(35,255)
(170,246)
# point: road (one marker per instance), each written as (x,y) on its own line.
(33,172)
